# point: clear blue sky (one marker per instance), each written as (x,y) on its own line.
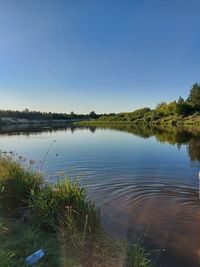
(102,55)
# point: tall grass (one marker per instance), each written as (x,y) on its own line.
(59,218)
(64,204)
(137,256)
(16,183)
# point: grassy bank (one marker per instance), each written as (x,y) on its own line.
(145,119)
(58,218)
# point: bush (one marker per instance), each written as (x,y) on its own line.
(184,109)
(64,203)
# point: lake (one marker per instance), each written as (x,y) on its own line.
(144,179)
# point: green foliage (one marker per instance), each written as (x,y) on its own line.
(180,100)
(139,113)
(137,257)
(37,115)
(93,115)
(65,201)
(172,113)
(19,240)
(194,96)
(183,108)
(16,183)
(163,109)
(77,239)
(162,114)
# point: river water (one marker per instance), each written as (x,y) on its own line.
(144,179)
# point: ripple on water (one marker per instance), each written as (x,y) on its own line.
(167,211)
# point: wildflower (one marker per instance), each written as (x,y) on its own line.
(56,189)
(68,208)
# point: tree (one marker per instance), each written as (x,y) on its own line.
(161,104)
(183,108)
(181,100)
(163,109)
(72,115)
(194,96)
(93,114)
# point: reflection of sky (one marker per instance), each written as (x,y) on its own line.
(103,152)
(138,183)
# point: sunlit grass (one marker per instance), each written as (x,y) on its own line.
(16,183)
(58,218)
(64,203)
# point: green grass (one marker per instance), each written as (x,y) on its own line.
(19,240)
(58,218)
(137,256)
(66,202)
(147,119)
(16,183)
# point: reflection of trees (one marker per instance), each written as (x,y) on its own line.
(194,149)
(178,136)
(38,129)
(92,129)
(173,136)
(143,131)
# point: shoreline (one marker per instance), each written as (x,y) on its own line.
(57,218)
(165,121)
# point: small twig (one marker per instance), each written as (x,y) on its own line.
(49,148)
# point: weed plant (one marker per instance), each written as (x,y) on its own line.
(60,219)
(64,204)
(16,183)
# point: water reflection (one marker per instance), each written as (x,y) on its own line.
(28,130)
(178,136)
(165,213)
(143,187)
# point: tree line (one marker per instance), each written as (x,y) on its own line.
(169,113)
(37,115)
(181,107)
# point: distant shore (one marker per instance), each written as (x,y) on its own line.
(6,121)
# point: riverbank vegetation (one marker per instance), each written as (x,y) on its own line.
(27,116)
(180,112)
(58,218)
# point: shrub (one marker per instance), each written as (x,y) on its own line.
(64,204)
